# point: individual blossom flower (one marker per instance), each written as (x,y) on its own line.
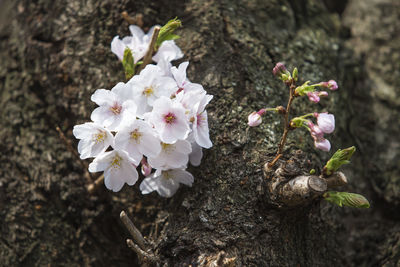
(115,106)
(150,85)
(169,119)
(183,83)
(139,42)
(95,139)
(172,155)
(255,119)
(331,85)
(138,138)
(322,144)
(118,169)
(166,182)
(326,122)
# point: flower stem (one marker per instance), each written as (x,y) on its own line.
(287,125)
(150,50)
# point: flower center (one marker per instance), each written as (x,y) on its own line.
(99,137)
(169,118)
(167,147)
(167,175)
(135,135)
(148,91)
(116,162)
(116,109)
(200,119)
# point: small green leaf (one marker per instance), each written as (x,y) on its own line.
(304,89)
(167,32)
(295,74)
(346,199)
(341,157)
(312,171)
(128,64)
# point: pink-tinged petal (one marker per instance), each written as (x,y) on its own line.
(201,131)
(254,119)
(136,31)
(145,168)
(326,122)
(313,97)
(103,97)
(99,114)
(118,47)
(111,181)
(322,144)
(196,155)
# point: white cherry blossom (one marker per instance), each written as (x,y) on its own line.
(172,155)
(169,120)
(115,106)
(181,80)
(201,132)
(118,169)
(138,138)
(150,85)
(166,182)
(95,139)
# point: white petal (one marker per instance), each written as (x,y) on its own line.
(180,73)
(112,181)
(182,176)
(149,145)
(148,185)
(167,187)
(201,131)
(101,162)
(118,47)
(103,97)
(196,155)
(136,31)
(168,51)
(85,130)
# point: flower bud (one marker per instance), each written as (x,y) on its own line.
(326,122)
(146,168)
(331,85)
(322,144)
(313,97)
(281,72)
(254,119)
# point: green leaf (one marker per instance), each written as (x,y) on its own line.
(167,32)
(346,199)
(128,64)
(304,89)
(295,74)
(341,157)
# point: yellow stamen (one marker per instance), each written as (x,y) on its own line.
(116,162)
(135,135)
(99,137)
(148,91)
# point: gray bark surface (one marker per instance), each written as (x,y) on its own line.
(55,54)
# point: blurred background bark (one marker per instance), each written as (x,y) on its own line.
(55,54)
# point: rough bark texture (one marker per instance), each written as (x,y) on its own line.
(54,54)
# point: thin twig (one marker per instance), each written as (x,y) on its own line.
(70,148)
(150,50)
(137,19)
(135,233)
(91,188)
(287,126)
(141,253)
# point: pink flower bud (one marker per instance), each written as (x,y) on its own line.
(313,97)
(326,122)
(322,144)
(254,119)
(331,85)
(323,93)
(279,69)
(146,168)
(315,131)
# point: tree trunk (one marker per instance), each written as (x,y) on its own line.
(55,54)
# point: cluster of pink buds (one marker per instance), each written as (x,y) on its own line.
(157,119)
(325,121)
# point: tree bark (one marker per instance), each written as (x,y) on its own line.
(55,54)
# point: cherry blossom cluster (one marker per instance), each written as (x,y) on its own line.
(157,120)
(325,122)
